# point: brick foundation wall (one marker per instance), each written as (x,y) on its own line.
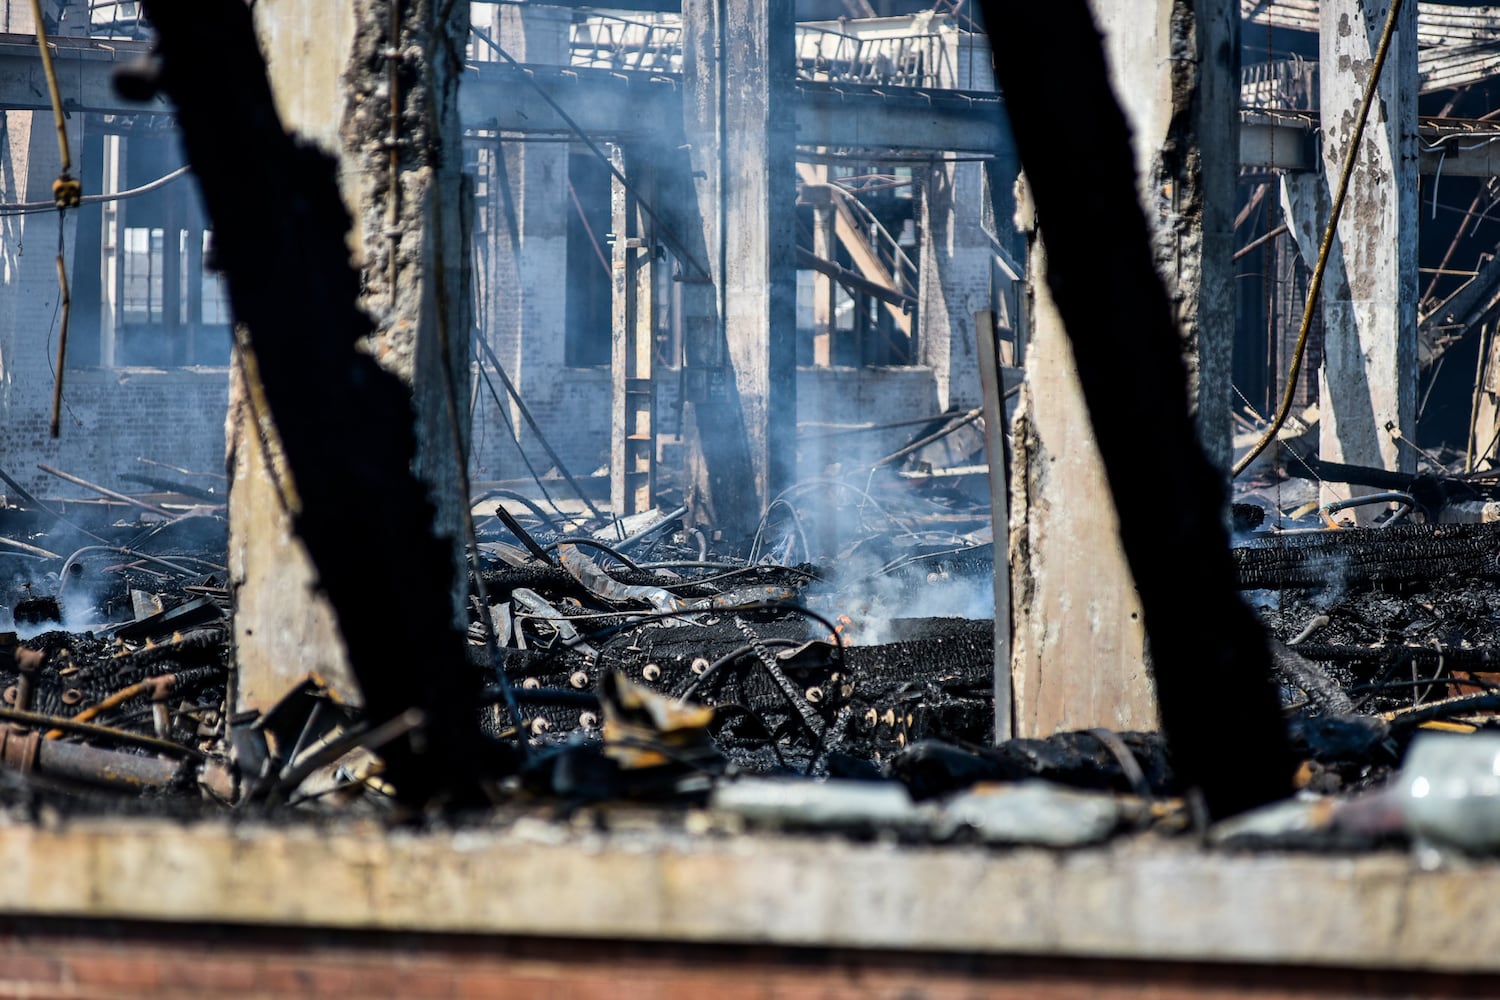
(101,960)
(111,419)
(112,416)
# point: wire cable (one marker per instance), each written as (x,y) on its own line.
(515,436)
(594,543)
(25,207)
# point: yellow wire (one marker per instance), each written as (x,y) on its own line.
(57,105)
(66,193)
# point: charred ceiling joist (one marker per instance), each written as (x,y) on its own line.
(345,424)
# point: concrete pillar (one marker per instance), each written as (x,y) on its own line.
(284,626)
(1368,382)
(739,69)
(1079,645)
(1183,113)
(1484,431)
(955,268)
(1078,655)
(632,453)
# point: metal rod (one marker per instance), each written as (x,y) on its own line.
(531,422)
(1256,244)
(55,428)
(105,491)
(99,732)
(27,754)
(853,281)
(50,71)
(29,549)
(644,533)
(837,431)
(36,504)
(990,382)
(514,527)
(917,445)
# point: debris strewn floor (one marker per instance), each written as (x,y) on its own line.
(648,662)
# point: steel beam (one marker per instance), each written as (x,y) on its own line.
(85,71)
(648,106)
(610,104)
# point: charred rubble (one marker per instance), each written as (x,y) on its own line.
(833,668)
(651,665)
(133,637)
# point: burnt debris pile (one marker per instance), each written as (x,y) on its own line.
(848,639)
(841,632)
(644,653)
(114,640)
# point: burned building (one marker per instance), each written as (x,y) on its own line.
(775,495)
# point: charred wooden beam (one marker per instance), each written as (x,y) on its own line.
(345,424)
(1401,553)
(1483,658)
(1217,703)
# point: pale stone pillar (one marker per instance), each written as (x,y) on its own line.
(1079,648)
(739,117)
(1368,382)
(284,627)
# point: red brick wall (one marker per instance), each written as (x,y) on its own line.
(110,961)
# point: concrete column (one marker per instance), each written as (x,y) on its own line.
(632,453)
(1485,429)
(1078,654)
(284,626)
(739,70)
(1079,646)
(1368,381)
(1182,109)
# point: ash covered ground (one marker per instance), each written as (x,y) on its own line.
(849,639)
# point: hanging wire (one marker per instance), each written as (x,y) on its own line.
(28,207)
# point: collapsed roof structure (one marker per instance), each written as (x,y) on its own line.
(917,353)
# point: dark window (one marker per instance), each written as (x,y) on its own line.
(589,277)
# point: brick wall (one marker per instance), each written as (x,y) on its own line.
(111,417)
(859,396)
(572,408)
(100,960)
(114,417)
